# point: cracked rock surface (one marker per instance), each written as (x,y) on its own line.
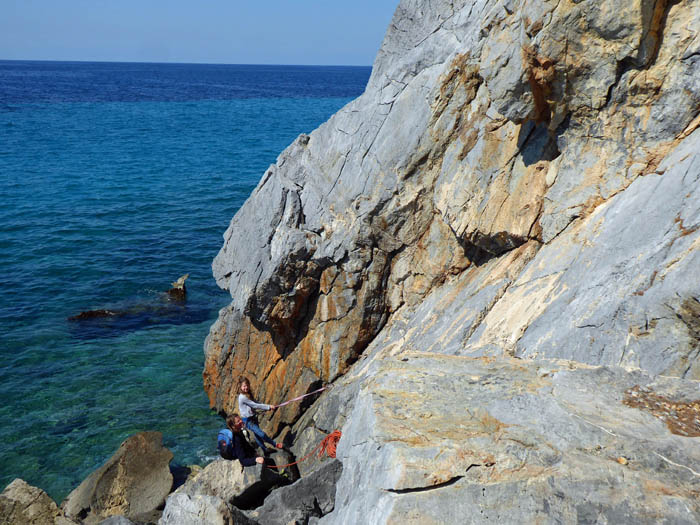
(519,183)
(449,439)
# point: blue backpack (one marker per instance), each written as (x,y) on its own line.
(225,443)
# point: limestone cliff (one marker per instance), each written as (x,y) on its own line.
(513,205)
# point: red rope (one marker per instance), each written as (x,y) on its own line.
(328,445)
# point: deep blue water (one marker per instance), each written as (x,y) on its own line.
(115,179)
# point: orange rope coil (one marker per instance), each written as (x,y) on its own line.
(328,445)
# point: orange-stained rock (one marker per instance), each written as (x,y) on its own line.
(484,136)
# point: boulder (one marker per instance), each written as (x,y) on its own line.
(133,482)
(218,492)
(195,509)
(62,520)
(311,496)
(23,504)
(244,487)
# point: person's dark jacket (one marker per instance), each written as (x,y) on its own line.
(239,449)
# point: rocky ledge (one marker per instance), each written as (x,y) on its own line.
(435,438)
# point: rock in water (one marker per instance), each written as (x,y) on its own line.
(133,482)
(178,291)
(93,314)
(22,504)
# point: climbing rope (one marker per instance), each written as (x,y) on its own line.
(302,397)
(327,445)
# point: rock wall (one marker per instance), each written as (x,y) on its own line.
(485,127)
(520,180)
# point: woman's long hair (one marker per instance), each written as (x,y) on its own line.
(249,394)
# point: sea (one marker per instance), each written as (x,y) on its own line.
(115,180)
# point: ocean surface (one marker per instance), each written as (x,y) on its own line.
(116,179)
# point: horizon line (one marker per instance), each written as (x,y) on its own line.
(174,62)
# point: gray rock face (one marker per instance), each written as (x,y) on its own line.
(233,483)
(512,204)
(132,483)
(195,509)
(311,496)
(22,504)
(619,288)
(448,439)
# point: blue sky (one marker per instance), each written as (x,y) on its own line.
(328,32)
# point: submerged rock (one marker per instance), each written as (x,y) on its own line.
(133,483)
(135,313)
(93,314)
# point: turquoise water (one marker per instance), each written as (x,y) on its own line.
(105,201)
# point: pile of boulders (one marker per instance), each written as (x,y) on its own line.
(136,486)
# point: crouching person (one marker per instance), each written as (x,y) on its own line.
(233,445)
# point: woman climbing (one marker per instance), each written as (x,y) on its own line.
(246,405)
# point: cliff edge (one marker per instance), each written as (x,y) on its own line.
(494,255)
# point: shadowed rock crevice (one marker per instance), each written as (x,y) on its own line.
(689,313)
(537,143)
(540,75)
(654,34)
(313,496)
(252,498)
(447,483)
